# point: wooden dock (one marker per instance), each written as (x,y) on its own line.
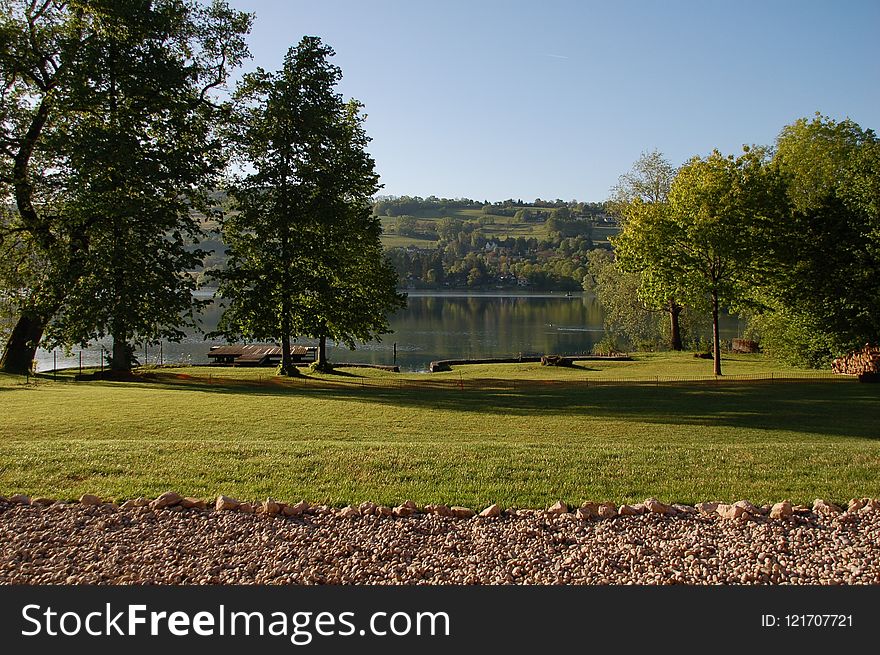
(259,355)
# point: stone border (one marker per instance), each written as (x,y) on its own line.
(741,510)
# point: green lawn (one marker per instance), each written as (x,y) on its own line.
(521,435)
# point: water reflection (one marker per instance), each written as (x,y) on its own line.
(433,326)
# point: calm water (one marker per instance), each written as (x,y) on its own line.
(435,325)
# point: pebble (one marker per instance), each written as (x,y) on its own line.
(226,503)
(167,499)
(781,510)
(103,544)
(492,511)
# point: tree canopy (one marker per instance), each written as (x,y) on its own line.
(304,251)
(821,288)
(705,242)
(109,134)
(788,235)
(648,181)
(639,195)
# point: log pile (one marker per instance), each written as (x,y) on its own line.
(744,346)
(864,362)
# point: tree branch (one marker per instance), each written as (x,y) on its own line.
(21,181)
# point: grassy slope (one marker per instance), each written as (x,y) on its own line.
(475,435)
(503,227)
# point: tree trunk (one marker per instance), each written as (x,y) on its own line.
(122,353)
(716,340)
(287,367)
(675,327)
(121,361)
(18,355)
(322,364)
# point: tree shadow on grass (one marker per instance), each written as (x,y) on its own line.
(339,373)
(579,367)
(829,407)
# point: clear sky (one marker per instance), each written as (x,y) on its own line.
(555,99)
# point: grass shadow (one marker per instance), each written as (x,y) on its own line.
(830,407)
(339,373)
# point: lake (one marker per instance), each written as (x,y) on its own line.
(435,325)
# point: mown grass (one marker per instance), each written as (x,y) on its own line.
(518,434)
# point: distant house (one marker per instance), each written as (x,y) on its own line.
(522,281)
(258,355)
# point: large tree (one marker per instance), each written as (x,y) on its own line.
(706,241)
(38,43)
(112,102)
(618,293)
(641,191)
(821,292)
(621,295)
(304,251)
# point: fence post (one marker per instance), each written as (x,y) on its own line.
(54,366)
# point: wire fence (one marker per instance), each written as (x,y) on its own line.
(430,383)
(435,382)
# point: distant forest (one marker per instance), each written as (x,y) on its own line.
(437,243)
(459,243)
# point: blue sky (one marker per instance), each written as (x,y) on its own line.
(556,99)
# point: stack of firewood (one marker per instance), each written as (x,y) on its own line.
(744,346)
(860,362)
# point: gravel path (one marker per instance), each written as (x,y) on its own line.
(101,544)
